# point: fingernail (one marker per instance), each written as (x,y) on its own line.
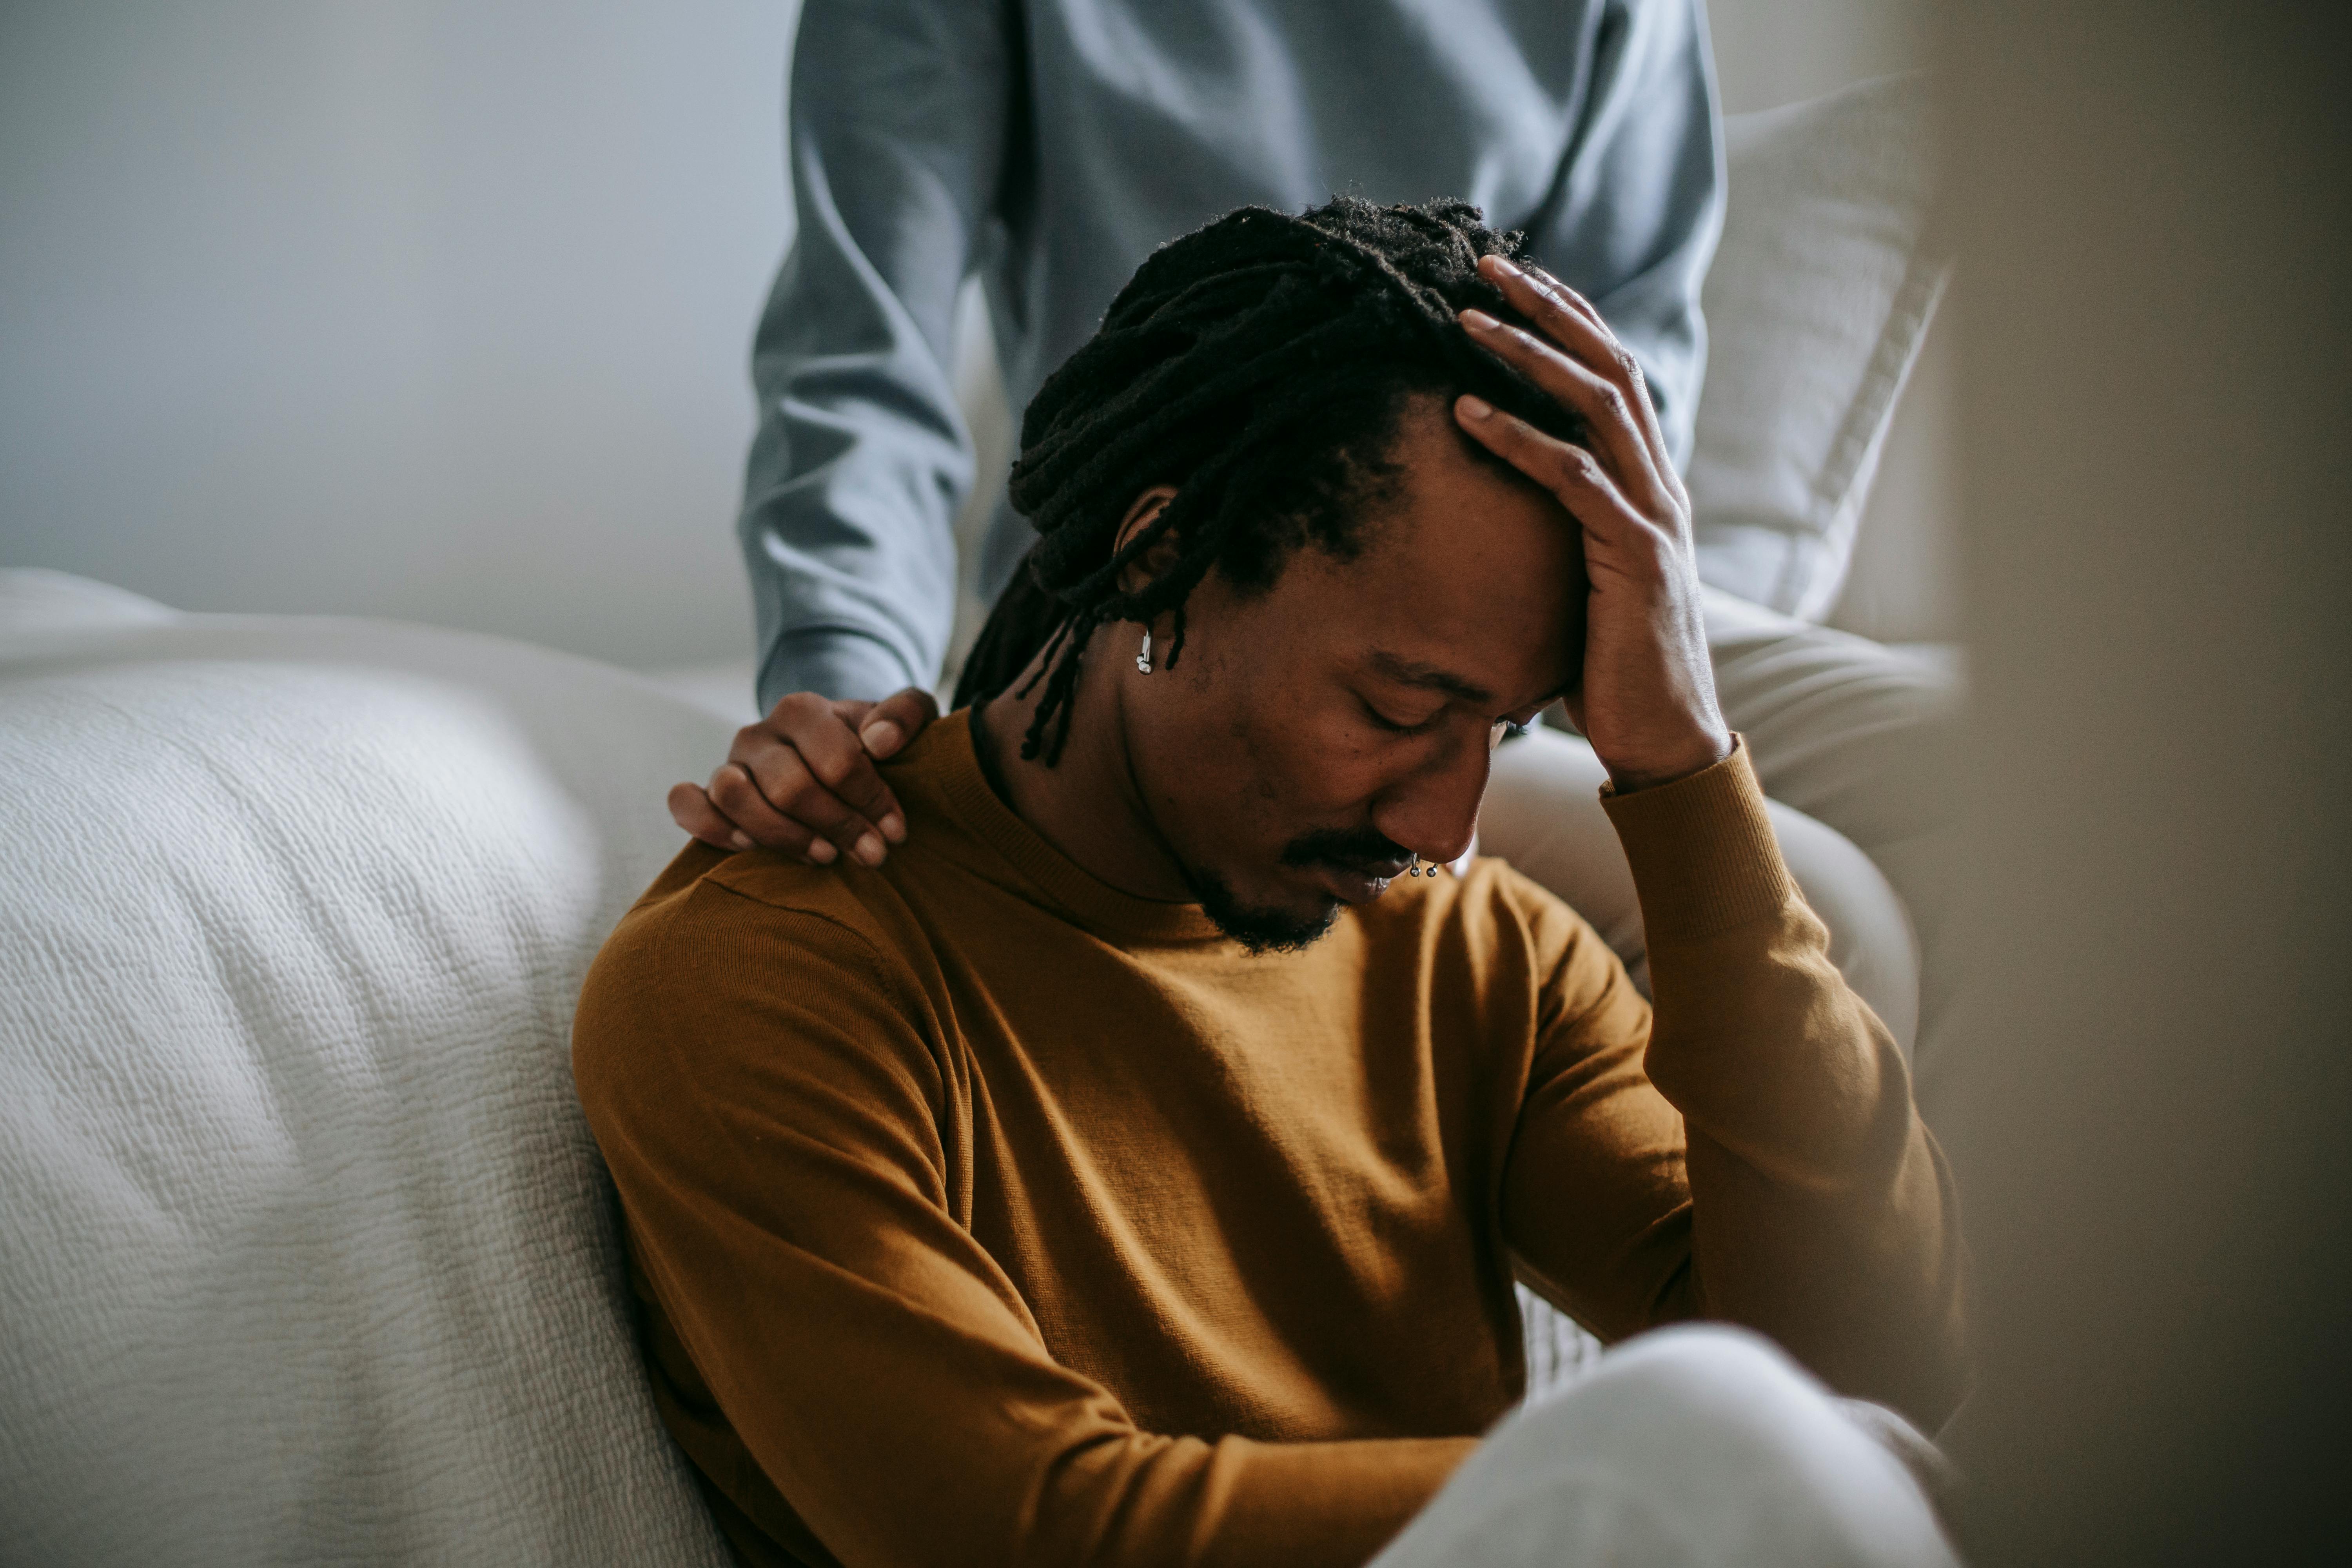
(1479,321)
(823,853)
(894,828)
(1475,408)
(1504,265)
(882,738)
(869,849)
(743,841)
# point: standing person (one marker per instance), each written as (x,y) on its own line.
(1052,146)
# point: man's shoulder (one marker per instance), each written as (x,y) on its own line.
(758,907)
(725,963)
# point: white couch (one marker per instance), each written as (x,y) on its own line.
(305,1253)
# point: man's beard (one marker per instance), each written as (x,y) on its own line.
(1262,931)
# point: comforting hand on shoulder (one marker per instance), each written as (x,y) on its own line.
(1647,700)
(803,779)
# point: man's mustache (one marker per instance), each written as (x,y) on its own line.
(1366,851)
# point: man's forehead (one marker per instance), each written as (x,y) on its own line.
(1408,671)
(1458,684)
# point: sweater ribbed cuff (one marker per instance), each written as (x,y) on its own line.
(1702,849)
(834,663)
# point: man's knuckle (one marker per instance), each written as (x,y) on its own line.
(799,708)
(800,789)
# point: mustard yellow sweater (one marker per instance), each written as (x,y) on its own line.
(984,1214)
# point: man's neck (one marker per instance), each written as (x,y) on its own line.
(1090,804)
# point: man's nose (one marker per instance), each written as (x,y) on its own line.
(1434,811)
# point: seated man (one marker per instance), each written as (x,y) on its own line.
(1135,1166)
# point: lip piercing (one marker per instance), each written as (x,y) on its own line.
(1415,870)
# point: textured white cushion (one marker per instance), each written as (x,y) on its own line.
(306,1255)
(1822,290)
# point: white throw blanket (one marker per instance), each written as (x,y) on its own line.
(306,1255)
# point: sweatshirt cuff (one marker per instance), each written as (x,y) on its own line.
(839,665)
(1702,849)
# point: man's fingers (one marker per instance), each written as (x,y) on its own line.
(1605,406)
(1636,381)
(828,750)
(691,807)
(1576,325)
(896,720)
(737,795)
(781,776)
(780,782)
(1615,533)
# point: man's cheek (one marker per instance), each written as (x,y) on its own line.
(1297,772)
(1340,763)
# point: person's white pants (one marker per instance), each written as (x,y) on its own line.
(1695,1446)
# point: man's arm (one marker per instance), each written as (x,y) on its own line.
(1633,216)
(899,118)
(1751,1152)
(1818,1209)
(778,1113)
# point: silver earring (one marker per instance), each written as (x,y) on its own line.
(1143,659)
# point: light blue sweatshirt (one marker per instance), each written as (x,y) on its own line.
(1051,145)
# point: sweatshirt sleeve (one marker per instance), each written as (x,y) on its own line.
(1637,207)
(1748,1151)
(785,1136)
(901,112)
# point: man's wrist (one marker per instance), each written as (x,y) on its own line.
(1702,851)
(1703,752)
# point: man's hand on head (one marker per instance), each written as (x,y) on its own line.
(803,779)
(1647,698)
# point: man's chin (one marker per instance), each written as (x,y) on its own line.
(1264,929)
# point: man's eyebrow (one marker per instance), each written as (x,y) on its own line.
(1411,672)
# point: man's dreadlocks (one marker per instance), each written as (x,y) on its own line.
(1258,366)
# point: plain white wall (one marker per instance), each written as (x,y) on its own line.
(434,310)
(442,311)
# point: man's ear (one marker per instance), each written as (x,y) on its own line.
(1142,572)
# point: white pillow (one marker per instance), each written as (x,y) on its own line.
(306,1254)
(1821,292)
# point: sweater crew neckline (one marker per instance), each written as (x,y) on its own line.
(948,752)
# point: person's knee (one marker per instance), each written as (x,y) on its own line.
(1729,1387)
(1715,1432)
